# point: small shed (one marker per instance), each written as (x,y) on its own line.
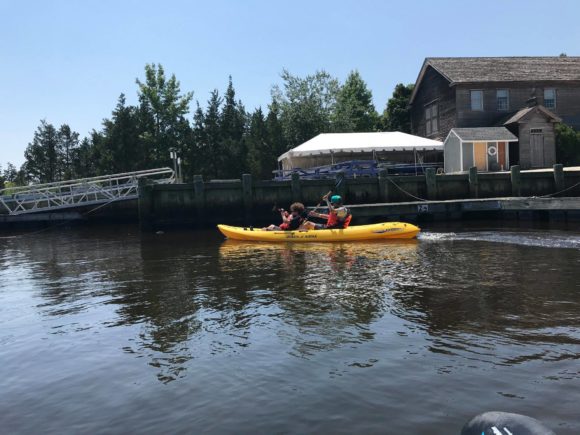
(537,138)
(487,148)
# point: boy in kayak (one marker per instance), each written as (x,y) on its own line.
(290,221)
(338,216)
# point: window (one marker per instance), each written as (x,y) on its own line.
(550,98)
(476,100)
(431,119)
(503,102)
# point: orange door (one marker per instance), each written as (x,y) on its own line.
(501,156)
(480,155)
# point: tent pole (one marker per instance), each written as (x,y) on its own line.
(415,156)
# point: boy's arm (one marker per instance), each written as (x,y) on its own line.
(328,204)
(318,215)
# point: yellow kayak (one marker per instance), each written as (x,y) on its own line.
(387,230)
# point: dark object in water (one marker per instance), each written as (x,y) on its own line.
(504,423)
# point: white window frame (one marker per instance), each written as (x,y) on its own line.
(507,100)
(471,91)
(553,106)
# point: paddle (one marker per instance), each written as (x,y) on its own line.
(317,206)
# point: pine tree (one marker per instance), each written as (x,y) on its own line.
(212,135)
(232,126)
(68,142)
(41,155)
(123,150)
(259,152)
(10,174)
(197,159)
(84,161)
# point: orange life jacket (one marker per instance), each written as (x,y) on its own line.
(334,222)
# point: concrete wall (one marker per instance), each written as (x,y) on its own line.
(250,202)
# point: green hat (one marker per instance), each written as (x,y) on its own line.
(336,199)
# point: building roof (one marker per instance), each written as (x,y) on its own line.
(502,69)
(327,143)
(484,134)
(523,112)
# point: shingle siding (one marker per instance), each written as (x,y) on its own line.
(450,80)
(484,134)
(507,69)
(438,90)
(567,102)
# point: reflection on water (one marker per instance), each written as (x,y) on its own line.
(431,331)
(326,294)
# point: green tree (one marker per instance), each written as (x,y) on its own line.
(306,105)
(41,155)
(163,115)
(232,128)
(259,150)
(214,151)
(68,142)
(10,174)
(354,110)
(122,149)
(397,116)
(275,137)
(567,145)
(197,161)
(84,162)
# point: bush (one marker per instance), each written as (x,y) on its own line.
(567,145)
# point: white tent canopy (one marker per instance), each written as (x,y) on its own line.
(329,143)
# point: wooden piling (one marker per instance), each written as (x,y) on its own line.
(473,183)
(199,199)
(383,181)
(516,180)
(431,181)
(247,196)
(296,189)
(559,183)
(145,204)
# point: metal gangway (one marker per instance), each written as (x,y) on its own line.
(79,193)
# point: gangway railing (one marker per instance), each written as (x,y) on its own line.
(78,193)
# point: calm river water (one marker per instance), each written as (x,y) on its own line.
(105,330)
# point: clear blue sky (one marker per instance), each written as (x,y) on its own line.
(67,61)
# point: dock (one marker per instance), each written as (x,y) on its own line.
(457,209)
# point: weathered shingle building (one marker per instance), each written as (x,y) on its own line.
(491,91)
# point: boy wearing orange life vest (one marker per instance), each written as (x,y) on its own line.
(338,216)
